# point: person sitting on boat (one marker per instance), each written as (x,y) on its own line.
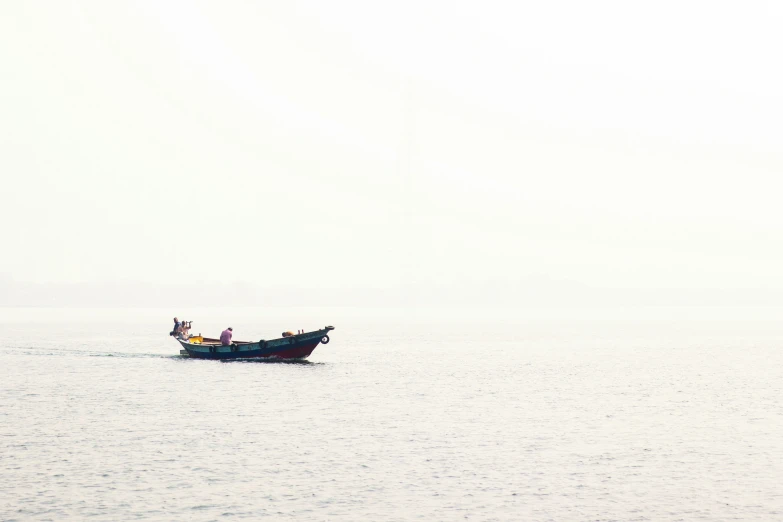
(177,326)
(225,336)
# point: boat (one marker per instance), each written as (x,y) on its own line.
(292,346)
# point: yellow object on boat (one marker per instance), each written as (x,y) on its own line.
(197,339)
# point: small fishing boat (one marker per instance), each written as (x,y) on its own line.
(294,346)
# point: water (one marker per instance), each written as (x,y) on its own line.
(403,416)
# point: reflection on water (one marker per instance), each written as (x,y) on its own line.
(272,360)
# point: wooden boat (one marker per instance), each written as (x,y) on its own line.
(298,346)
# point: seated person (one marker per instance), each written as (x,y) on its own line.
(177,326)
(225,336)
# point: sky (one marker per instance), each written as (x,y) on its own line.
(406,148)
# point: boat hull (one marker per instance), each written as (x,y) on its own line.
(295,347)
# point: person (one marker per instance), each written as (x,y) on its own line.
(225,336)
(177,326)
(185,329)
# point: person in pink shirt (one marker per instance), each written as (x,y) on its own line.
(225,336)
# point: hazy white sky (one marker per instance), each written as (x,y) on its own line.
(365,145)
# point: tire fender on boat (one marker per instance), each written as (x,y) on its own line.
(325,339)
(292,340)
(262,344)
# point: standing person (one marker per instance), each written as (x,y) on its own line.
(225,336)
(185,329)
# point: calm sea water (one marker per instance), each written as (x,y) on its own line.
(416,415)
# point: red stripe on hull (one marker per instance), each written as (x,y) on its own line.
(300,352)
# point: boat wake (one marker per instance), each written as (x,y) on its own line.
(48,352)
